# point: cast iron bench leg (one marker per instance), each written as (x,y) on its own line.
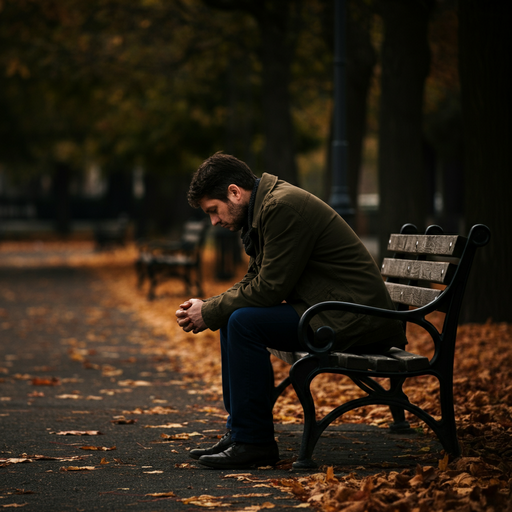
(302,374)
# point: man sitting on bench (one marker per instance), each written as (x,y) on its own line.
(301,253)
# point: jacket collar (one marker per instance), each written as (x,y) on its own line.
(267,184)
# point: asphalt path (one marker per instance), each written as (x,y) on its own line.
(91,420)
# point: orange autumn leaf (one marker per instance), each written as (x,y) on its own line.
(77,433)
(97,448)
(45,381)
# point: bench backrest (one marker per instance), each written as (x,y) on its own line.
(194,234)
(430,271)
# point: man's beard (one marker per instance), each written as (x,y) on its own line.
(239,214)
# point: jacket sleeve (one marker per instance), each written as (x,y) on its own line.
(246,279)
(288,241)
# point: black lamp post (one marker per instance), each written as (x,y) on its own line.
(340,200)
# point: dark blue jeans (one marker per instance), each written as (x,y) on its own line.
(247,375)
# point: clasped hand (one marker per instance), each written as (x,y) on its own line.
(189,316)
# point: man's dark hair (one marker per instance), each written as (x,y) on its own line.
(214,176)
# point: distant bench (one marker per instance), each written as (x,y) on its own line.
(111,232)
(419,261)
(160,260)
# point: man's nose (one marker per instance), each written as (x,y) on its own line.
(214,219)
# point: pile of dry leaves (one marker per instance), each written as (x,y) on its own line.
(468,486)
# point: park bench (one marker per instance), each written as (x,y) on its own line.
(427,273)
(160,260)
(111,232)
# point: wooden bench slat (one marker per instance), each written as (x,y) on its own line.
(412,295)
(193,232)
(287,357)
(396,361)
(433,271)
(381,363)
(351,361)
(178,259)
(440,245)
(409,362)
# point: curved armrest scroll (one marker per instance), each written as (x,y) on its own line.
(324,336)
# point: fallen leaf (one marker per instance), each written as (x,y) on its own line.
(169,494)
(78,468)
(134,383)
(112,373)
(443,463)
(154,410)
(33,458)
(77,433)
(180,436)
(14,460)
(252,495)
(329,475)
(239,476)
(167,425)
(205,500)
(97,448)
(42,381)
(123,421)
(156,472)
(35,394)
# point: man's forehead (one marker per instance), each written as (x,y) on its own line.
(207,203)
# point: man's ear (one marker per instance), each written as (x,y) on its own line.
(234,192)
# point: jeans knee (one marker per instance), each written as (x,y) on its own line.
(244,322)
(238,317)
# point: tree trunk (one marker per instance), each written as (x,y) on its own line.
(277,49)
(405,64)
(61,184)
(119,196)
(485,70)
(361,60)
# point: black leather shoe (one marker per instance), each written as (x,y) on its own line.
(225,442)
(243,455)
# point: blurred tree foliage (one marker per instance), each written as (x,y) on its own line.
(159,84)
(154,81)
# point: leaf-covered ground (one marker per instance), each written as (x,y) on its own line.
(481,479)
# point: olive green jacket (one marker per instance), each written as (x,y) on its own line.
(306,254)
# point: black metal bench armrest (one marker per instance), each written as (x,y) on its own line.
(324,336)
